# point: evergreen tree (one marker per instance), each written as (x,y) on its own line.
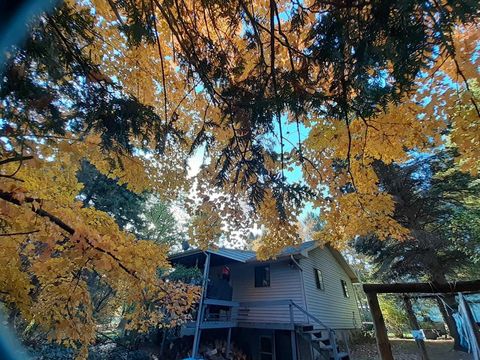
(107,195)
(144,215)
(432,199)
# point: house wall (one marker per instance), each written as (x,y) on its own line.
(329,305)
(285,284)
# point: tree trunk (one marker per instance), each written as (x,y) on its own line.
(162,344)
(438,276)
(415,326)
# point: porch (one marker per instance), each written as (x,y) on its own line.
(232,314)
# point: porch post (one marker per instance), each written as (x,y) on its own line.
(201,307)
(383,344)
(229,338)
(294,345)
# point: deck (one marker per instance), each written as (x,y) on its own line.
(224,314)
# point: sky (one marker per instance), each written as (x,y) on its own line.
(289,131)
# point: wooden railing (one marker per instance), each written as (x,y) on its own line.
(291,307)
(235,307)
(309,315)
(219,320)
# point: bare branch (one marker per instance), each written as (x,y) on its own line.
(20,233)
(15,158)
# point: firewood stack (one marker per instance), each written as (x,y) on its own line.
(218,351)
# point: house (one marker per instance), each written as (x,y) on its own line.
(301,305)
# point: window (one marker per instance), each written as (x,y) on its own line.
(266,348)
(345,288)
(262,276)
(319,279)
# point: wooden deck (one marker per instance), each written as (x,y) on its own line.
(235,316)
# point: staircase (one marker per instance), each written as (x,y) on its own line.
(323,341)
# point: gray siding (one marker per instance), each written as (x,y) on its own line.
(285,284)
(329,305)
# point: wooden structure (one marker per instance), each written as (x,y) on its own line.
(371,290)
(302,301)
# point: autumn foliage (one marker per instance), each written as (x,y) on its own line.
(263,89)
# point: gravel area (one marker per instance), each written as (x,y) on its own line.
(406,349)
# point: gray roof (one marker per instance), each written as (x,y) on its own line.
(243,256)
(233,254)
(295,250)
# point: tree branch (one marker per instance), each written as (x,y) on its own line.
(15,158)
(61,224)
(21,233)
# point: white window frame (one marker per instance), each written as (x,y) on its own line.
(318,274)
(344,284)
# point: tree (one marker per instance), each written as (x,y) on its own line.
(134,87)
(55,120)
(395,317)
(431,196)
(244,80)
(160,224)
(104,193)
(144,215)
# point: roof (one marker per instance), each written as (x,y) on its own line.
(296,250)
(235,254)
(223,256)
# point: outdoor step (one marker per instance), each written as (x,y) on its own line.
(306,328)
(314,331)
(326,347)
(322,339)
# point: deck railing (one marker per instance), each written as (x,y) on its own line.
(233,313)
(224,318)
(291,310)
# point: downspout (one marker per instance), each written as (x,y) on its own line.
(198,332)
(296,262)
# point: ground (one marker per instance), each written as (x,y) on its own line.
(406,349)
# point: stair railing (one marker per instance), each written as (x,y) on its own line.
(309,315)
(331,333)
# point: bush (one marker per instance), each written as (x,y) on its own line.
(359,337)
(395,315)
(189,275)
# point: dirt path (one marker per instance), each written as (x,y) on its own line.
(407,350)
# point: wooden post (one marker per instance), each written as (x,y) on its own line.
(384,348)
(424,288)
(333,343)
(415,326)
(201,307)
(229,339)
(293,340)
